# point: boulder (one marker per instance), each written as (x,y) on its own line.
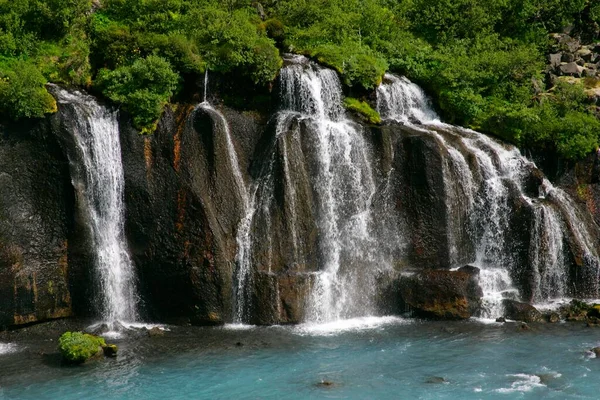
(596,351)
(571,69)
(155,332)
(567,57)
(518,311)
(441,294)
(555,59)
(553,318)
(110,350)
(594,311)
(568,43)
(79,347)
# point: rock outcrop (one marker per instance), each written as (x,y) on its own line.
(441,294)
(35,226)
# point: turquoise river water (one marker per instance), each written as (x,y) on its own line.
(373,358)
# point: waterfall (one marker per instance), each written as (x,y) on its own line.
(343,186)
(243,239)
(98,178)
(490,183)
(400,100)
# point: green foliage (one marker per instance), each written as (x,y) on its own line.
(77,347)
(22,91)
(480,60)
(363,109)
(143,88)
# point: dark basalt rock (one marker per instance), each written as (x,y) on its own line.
(183,210)
(441,294)
(521,311)
(36,202)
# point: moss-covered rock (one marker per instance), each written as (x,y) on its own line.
(363,109)
(78,347)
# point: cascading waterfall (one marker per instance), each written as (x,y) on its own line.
(99,183)
(498,177)
(398,99)
(243,239)
(547,254)
(344,187)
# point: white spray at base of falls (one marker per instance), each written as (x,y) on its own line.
(343,185)
(99,185)
(495,178)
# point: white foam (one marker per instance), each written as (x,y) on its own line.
(239,327)
(6,348)
(523,383)
(555,304)
(116,333)
(348,325)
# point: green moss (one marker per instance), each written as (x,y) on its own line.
(363,109)
(77,347)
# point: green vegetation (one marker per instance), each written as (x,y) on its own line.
(77,347)
(481,61)
(143,88)
(363,109)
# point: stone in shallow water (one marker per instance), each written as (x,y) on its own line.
(325,384)
(156,331)
(110,350)
(435,379)
(521,311)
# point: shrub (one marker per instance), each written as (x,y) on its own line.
(77,347)
(363,109)
(22,91)
(143,88)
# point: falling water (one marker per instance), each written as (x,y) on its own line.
(398,99)
(99,182)
(343,187)
(243,239)
(487,189)
(546,254)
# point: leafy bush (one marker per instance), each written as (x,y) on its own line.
(77,347)
(363,109)
(143,88)
(22,91)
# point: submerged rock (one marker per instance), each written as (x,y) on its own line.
(441,294)
(521,311)
(156,331)
(435,379)
(325,384)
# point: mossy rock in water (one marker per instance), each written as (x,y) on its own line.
(594,311)
(78,347)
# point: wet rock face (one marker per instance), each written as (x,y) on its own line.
(35,216)
(183,208)
(441,294)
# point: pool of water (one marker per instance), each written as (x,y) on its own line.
(358,359)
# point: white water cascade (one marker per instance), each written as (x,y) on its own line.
(98,179)
(243,239)
(493,177)
(344,186)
